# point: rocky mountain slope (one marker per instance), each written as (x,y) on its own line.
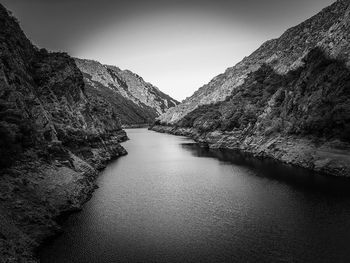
(136,101)
(54,136)
(329,30)
(289,100)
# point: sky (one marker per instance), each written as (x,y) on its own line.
(176,45)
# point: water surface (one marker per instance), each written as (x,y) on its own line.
(170,201)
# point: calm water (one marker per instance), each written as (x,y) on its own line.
(171,201)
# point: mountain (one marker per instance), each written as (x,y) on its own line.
(54,136)
(136,101)
(289,100)
(328,30)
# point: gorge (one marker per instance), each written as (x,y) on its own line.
(259,169)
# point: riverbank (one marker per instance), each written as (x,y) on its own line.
(136,126)
(170,200)
(327,157)
(35,193)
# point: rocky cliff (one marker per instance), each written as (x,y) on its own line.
(54,136)
(289,100)
(329,30)
(136,101)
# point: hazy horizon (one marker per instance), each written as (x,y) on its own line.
(177,46)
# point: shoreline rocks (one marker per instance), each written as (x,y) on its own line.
(55,136)
(36,194)
(330,158)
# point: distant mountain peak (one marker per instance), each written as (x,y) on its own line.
(144,100)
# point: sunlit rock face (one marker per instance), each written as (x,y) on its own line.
(300,118)
(289,100)
(328,30)
(140,101)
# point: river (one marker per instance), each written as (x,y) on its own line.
(169,200)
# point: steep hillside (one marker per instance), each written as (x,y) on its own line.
(289,100)
(311,100)
(136,101)
(54,135)
(328,30)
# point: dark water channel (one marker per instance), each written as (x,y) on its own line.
(170,201)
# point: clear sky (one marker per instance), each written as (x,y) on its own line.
(176,45)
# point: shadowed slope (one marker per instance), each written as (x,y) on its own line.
(136,100)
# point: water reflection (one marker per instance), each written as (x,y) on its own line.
(169,200)
(264,167)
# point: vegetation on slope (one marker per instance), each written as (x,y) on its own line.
(328,29)
(311,100)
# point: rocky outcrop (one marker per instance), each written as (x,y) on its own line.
(328,30)
(54,136)
(289,100)
(326,157)
(301,118)
(136,101)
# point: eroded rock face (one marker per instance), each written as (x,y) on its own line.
(289,100)
(328,30)
(301,117)
(54,136)
(137,101)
